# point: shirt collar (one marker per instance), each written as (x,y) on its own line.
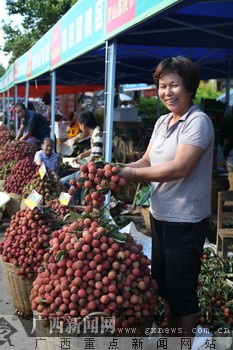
(191,109)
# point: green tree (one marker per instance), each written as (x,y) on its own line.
(147,109)
(205,91)
(2,70)
(38,16)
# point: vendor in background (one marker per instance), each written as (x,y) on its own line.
(74,135)
(88,126)
(73,125)
(32,124)
(178,164)
(12,115)
(46,155)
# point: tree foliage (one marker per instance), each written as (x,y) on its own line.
(206,91)
(2,70)
(38,16)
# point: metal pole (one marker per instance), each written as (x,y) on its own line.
(111,63)
(8,109)
(16,115)
(53,104)
(27,93)
(105,94)
(4,107)
(109,108)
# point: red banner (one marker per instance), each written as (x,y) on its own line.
(29,64)
(56,45)
(119,12)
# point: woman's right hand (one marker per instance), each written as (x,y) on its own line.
(127,173)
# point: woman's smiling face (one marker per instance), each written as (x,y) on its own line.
(174,94)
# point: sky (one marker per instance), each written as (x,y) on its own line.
(16,20)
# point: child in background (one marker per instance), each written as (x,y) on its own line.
(46,155)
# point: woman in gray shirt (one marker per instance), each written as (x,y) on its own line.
(178,163)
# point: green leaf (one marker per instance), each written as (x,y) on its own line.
(60,255)
(100,162)
(119,237)
(103,190)
(74,216)
(143,196)
(83,194)
(81,180)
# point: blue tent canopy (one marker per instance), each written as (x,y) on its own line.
(201,30)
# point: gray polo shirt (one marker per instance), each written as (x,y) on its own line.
(187,199)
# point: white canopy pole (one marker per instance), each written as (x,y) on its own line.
(110,91)
(16,121)
(53,104)
(8,109)
(4,107)
(27,93)
(110,69)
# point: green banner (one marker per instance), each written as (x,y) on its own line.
(7,80)
(39,57)
(20,69)
(80,30)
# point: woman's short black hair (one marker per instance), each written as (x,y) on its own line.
(88,119)
(20,104)
(184,67)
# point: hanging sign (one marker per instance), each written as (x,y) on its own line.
(64,198)
(33,200)
(42,171)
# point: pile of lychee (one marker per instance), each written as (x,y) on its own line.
(16,150)
(6,135)
(92,267)
(21,174)
(63,210)
(5,170)
(48,187)
(27,240)
(97,179)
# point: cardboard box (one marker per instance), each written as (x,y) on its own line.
(125,114)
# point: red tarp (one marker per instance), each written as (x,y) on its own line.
(40,90)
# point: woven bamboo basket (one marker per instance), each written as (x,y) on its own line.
(146,217)
(2,185)
(14,204)
(18,287)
